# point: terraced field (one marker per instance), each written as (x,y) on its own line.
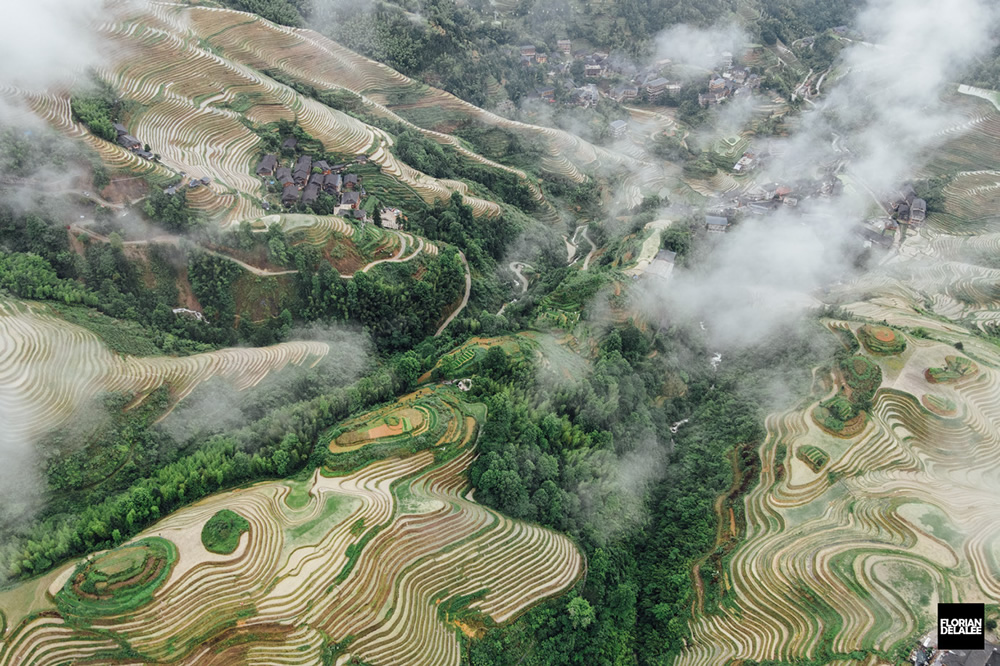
(188,96)
(851,541)
(312,58)
(438,418)
(333,567)
(969,156)
(50,368)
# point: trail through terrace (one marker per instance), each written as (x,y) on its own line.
(465,298)
(406,241)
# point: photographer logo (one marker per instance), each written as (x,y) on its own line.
(960,626)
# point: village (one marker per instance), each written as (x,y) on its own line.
(303,180)
(619,79)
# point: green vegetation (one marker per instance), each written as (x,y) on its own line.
(117,581)
(221,533)
(285,12)
(956,368)
(98,108)
(881,340)
(544,452)
(859,379)
(171,210)
(813,456)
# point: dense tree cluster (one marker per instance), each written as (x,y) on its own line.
(99,107)
(553,457)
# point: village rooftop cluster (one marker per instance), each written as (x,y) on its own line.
(303,180)
(618,78)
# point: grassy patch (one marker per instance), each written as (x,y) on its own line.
(117,581)
(221,534)
(881,340)
(124,337)
(956,368)
(814,457)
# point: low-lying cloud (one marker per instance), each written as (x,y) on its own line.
(47,44)
(880,120)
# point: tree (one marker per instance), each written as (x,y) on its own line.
(495,363)
(581,612)
(408,369)
(377,217)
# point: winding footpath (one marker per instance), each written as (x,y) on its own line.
(168,239)
(465,299)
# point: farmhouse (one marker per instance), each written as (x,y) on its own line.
(290,194)
(745,163)
(548,93)
(592,70)
(874,237)
(618,128)
(267,165)
(716,224)
(311,193)
(323,166)
(565,45)
(351,199)
(662,265)
(119,128)
(351,180)
(129,142)
(528,50)
(284,176)
(657,86)
(988,657)
(626,92)
(709,99)
(541,58)
(289,143)
(918,211)
(303,167)
(331,183)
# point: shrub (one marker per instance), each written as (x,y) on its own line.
(221,534)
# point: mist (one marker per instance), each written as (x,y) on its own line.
(699,47)
(217,406)
(881,118)
(48,44)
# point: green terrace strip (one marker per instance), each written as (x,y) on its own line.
(117,581)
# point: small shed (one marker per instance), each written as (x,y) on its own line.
(716,223)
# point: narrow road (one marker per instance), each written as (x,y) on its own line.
(465,299)
(517,267)
(593,248)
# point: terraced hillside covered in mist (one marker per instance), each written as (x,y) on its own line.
(853,537)
(386,563)
(51,368)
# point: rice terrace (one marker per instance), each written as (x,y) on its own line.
(451,333)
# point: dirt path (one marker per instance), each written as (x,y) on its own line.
(593,248)
(726,525)
(465,299)
(168,239)
(517,267)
